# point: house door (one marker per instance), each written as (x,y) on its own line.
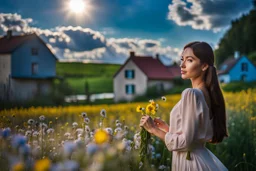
(243,78)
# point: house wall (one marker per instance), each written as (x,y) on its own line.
(5,72)
(236,72)
(5,68)
(224,78)
(22,60)
(165,84)
(27,89)
(140,82)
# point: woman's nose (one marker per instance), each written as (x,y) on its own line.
(182,64)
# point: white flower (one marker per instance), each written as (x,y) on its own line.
(67,134)
(140,165)
(162,167)
(28,133)
(109,130)
(157,106)
(43,126)
(86,121)
(50,131)
(151,100)
(84,114)
(87,129)
(31,121)
(75,124)
(126,128)
(118,125)
(163,98)
(79,131)
(103,113)
(35,134)
(118,129)
(42,118)
(117,121)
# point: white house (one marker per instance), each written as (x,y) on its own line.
(27,67)
(139,73)
(237,69)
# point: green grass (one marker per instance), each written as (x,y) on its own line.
(76,69)
(96,85)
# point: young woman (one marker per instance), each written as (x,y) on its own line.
(199,116)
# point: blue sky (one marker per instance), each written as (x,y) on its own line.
(107,30)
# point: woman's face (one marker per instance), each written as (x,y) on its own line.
(191,66)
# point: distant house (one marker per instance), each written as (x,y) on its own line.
(139,73)
(27,67)
(237,69)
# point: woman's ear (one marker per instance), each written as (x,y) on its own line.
(205,67)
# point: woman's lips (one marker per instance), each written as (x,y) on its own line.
(182,72)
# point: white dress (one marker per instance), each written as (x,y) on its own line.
(190,128)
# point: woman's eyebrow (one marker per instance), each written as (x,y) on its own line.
(188,57)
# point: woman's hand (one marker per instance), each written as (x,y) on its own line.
(148,123)
(161,124)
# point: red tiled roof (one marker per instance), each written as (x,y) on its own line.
(9,45)
(153,68)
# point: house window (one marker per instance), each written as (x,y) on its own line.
(244,66)
(34,68)
(130,89)
(129,74)
(34,51)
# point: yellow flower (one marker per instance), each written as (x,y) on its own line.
(18,167)
(101,136)
(253,118)
(139,109)
(151,109)
(42,165)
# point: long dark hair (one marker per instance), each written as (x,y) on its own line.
(204,52)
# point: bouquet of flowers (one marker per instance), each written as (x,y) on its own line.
(150,110)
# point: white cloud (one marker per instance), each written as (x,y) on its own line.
(207,14)
(87,45)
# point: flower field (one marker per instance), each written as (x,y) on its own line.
(104,137)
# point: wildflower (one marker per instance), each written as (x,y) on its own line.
(117,121)
(50,131)
(86,121)
(79,131)
(69,147)
(126,128)
(71,165)
(18,140)
(163,98)
(118,129)
(91,148)
(42,165)
(103,113)
(87,129)
(67,134)
(50,122)
(84,114)
(28,133)
(162,167)
(13,115)
(18,167)
(140,165)
(24,150)
(139,109)
(42,118)
(6,133)
(101,136)
(109,130)
(43,126)
(31,121)
(118,125)
(75,124)
(150,109)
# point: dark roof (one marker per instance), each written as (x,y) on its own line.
(153,68)
(9,45)
(229,63)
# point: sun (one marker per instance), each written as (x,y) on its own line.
(77,6)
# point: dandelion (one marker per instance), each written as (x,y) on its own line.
(86,121)
(101,136)
(84,114)
(163,98)
(103,113)
(42,118)
(42,165)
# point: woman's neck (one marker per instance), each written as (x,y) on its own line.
(198,83)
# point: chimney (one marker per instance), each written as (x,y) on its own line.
(132,53)
(236,55)
(157,56)
(9,34)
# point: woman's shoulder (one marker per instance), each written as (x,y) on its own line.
(190,93)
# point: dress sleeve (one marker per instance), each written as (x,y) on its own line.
(190,110)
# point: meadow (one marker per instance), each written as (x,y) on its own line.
(104,137)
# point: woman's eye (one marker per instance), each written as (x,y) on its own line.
(189,60)
(181,59)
